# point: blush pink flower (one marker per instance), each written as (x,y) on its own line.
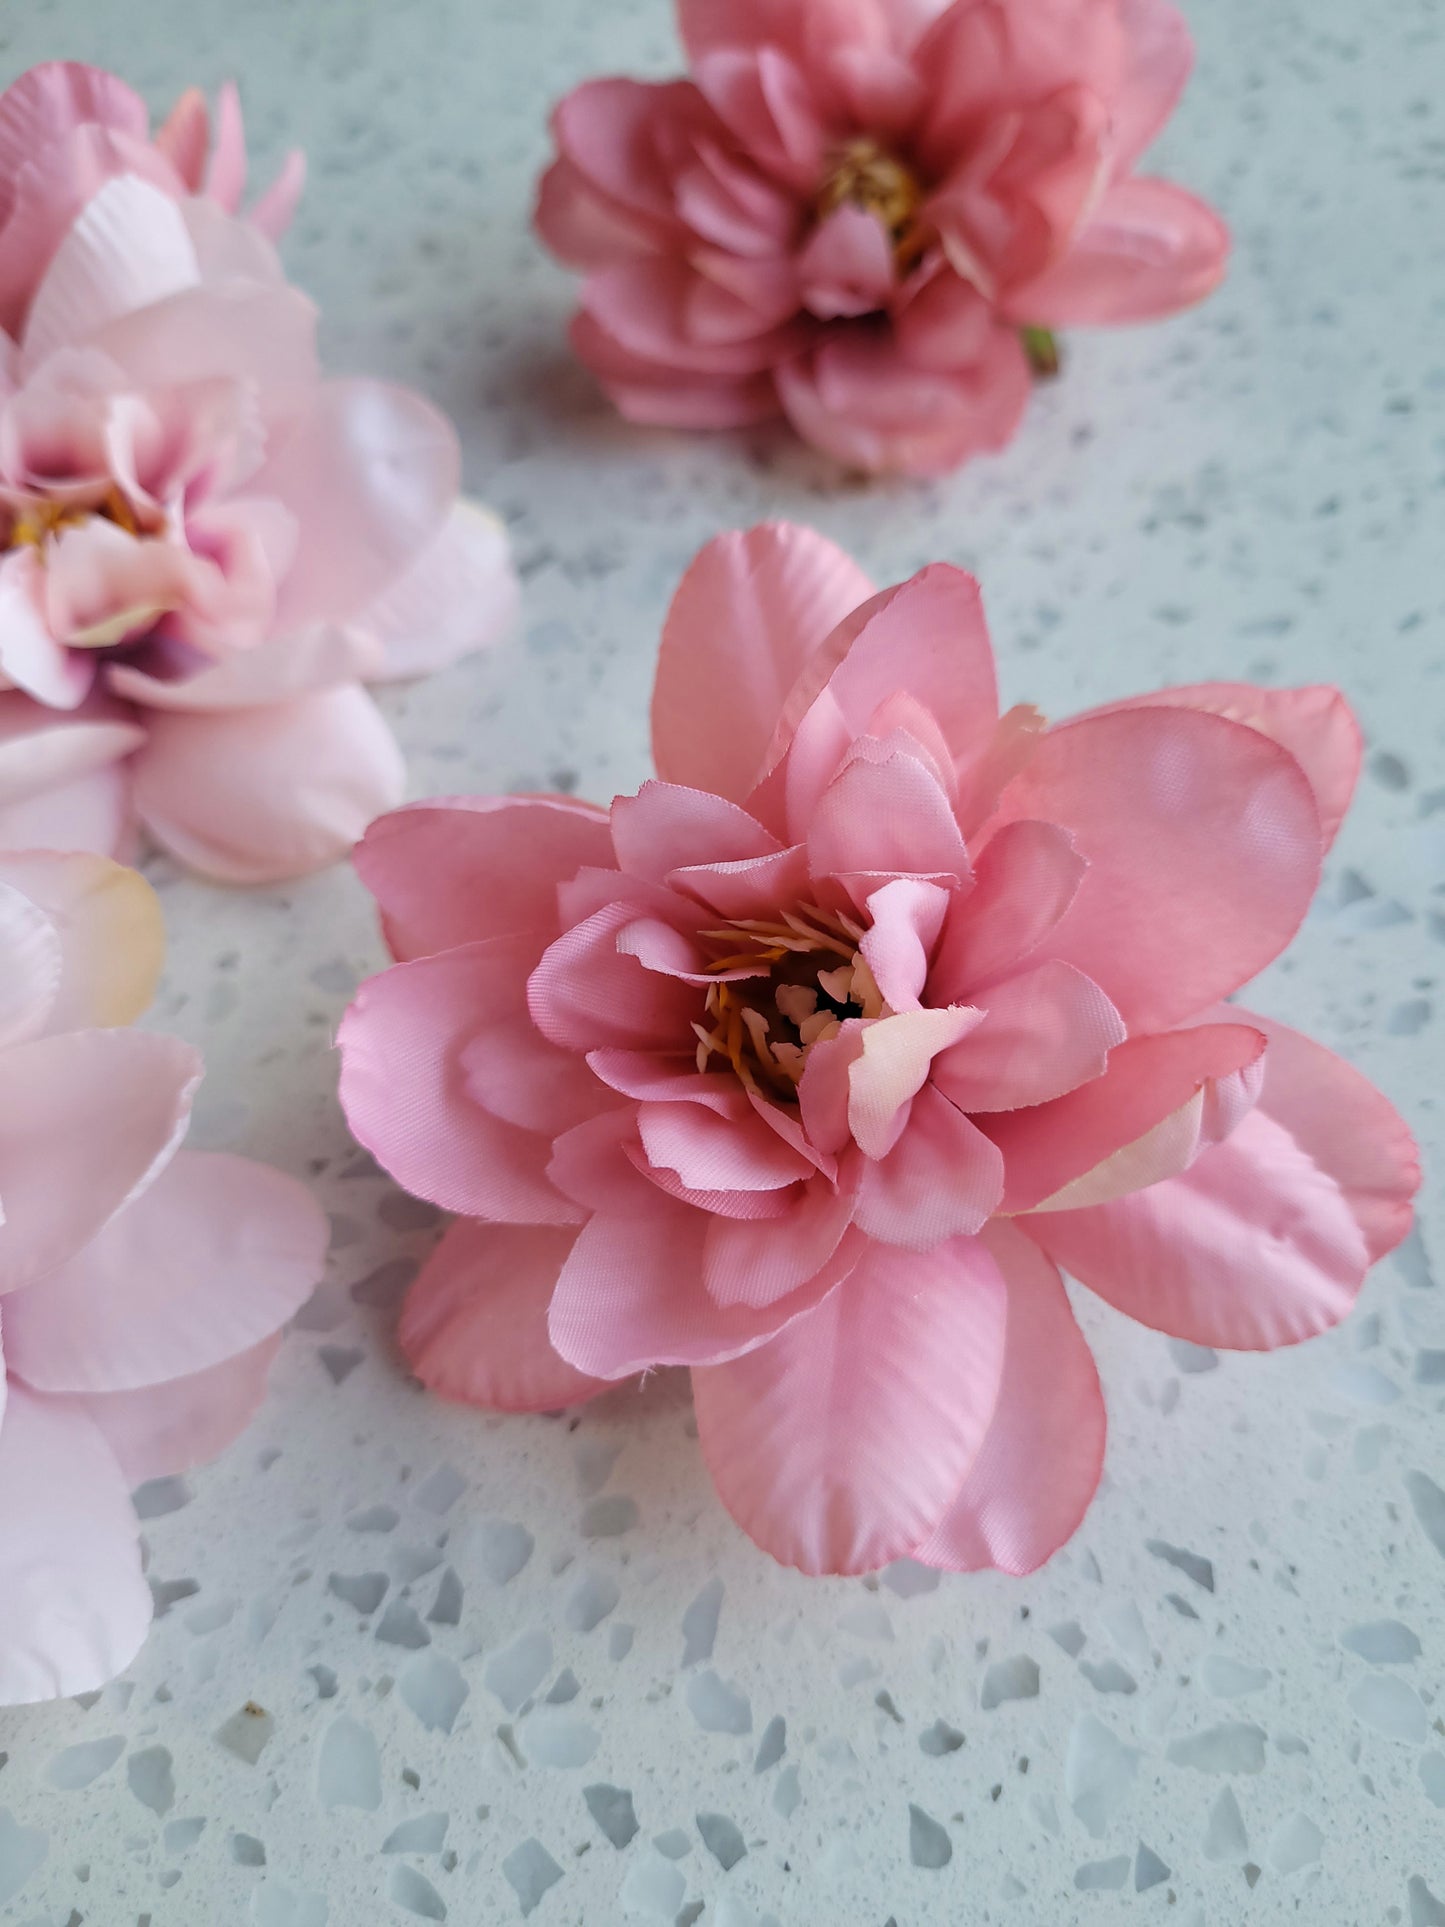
(809,1065)
(866,214)
(142,1287)
(205,547)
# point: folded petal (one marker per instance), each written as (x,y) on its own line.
(1352,1131)
(1252,1247)
(164,1429)
(587,993)
(474,1324)
(254,795)
(1203,846)
(894,1062)
(405,1088)
(459,869)
(883,815)
(460,594)
(861,401)
(731,1150)
(942,1179)
(1315,724)
(370,472)
(74,1606)
(838,1445)
(109,932)
(1043,1032)
(1025,878)
(748,614)
(760,1262)
(211,1259)
(666,827)
(89,813)
(88,1120)
(1148,249)
(31,658)
(1030,1485)
(907,916)
(50,101)
(1159,1101)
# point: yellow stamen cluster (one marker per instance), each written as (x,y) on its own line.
(865,175)
(808,977)
(40,520)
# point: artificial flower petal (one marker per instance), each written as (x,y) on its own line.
(160,1430)
(109,932)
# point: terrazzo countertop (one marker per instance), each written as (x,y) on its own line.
(416,1663)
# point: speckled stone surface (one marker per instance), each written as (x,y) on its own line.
(414,1663)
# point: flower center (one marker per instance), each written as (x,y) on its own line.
(866,175)
(811,979)
(41,518)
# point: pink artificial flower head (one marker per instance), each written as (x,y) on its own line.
(811,1063)
(142,1287)
(206,548)
(869,214)
(66,129)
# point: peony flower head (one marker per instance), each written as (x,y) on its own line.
(809,1065)
(205,546)
(142,1286)
(868,214)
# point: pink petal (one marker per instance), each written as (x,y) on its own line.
(273,671)
(647,305)
(52,100)
(631,1295)
(662,397)
(885,817)
(39,748)
(862,401)
(1315,724)
(838,1445)
(1351,1130)
(74,1607)
(753,887)
(405,1088)
(1030,1485)
(184,137)
(163,1429)
(583,226)
(1253,1246)
(615,132)
(213,1258)
(665,827)
(253,795)
(893,1064)
(942,1179)
(238,331)
(226,174)
(272,211)
(906,918)
(31,657)
(460,594)
(1044,1032)
(1203,845)
(846,268)
(462,868)
(587,994)
(1148,249)
(90,813)
(1024,880)
(711,1151)
(108,930)
(89,1120)
(926,640)
(128,249)
(370,472)
(1149,1081)
(1158,57)
(30,945)
(474,1325)
(747,616)
(758,1263)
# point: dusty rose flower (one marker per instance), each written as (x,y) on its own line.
(205,547)
(142,1287)
(808,1065)
(868,213)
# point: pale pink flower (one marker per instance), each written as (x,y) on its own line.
(206,548)
(142,1287)
(809,1064)
(854,207)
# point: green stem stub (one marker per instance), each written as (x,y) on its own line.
(1042,349)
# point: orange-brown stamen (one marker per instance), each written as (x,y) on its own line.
(808,977)
(866,175)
